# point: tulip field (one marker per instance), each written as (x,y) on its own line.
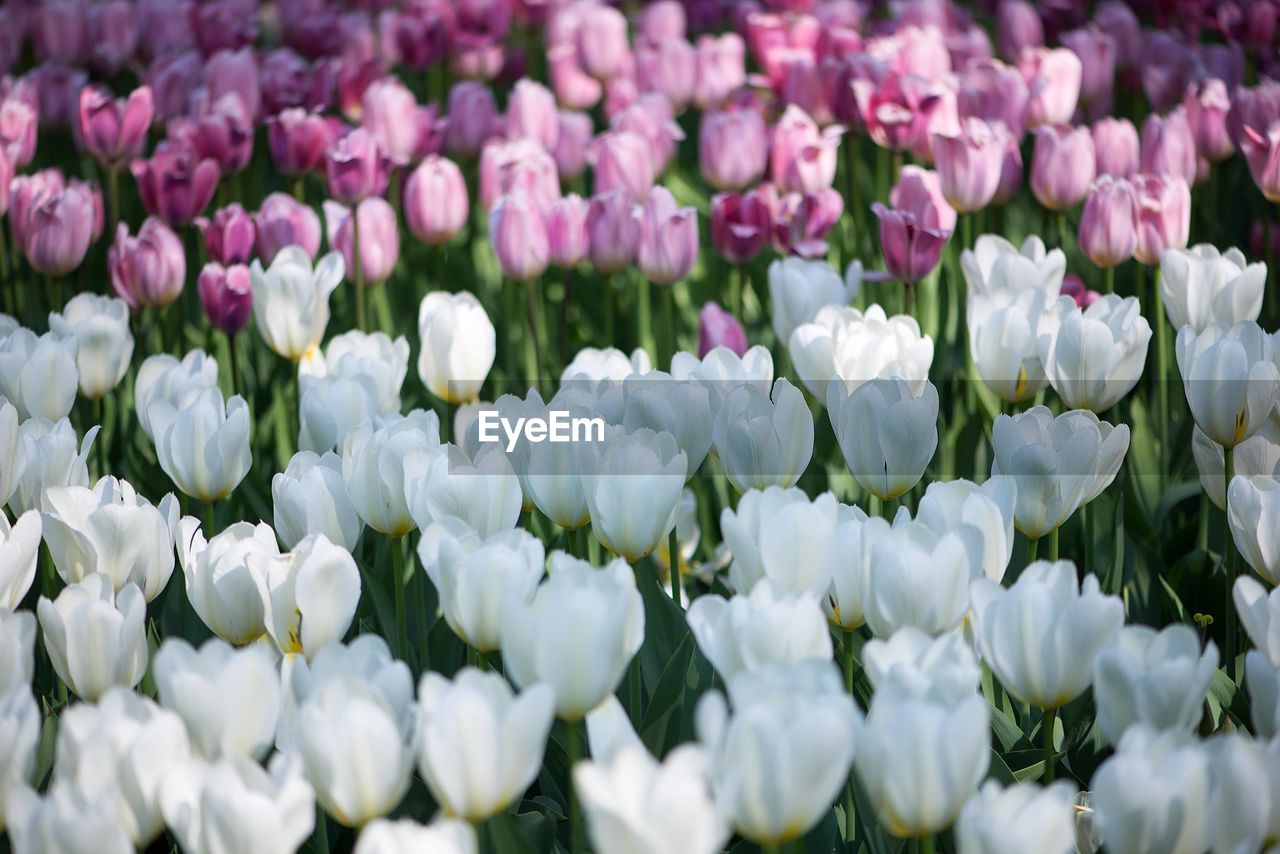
(672,427)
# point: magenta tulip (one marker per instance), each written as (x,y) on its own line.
(112,131)
(1073,286)
(1164,216)
(1108,224)
(897,110)
(356,168)
(228,237)
(298,140)
(1115,147)
(613,226)
(1062,166)
(58,228)
(284,221)
(911,249)
(435,201)
(288,81)
(6,179)
(668,239)
(741,225)
(174,184)
(227,296)
(60,31)
(518,232)
(376,230)
(147,270)
(919,192)
(733,148)
(235,72)
(719,328)
(1116,19)
(58,89)
(222,132)
(801,222)
(388,108)
(1168,148)
(969,165)
(567,234)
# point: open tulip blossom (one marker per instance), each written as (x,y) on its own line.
(663,426)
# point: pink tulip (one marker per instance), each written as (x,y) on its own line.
(531,114)
(1053,86)
(733,148)
(1262,152)
(1117,20)
(719,328)
(602,42)
(622,160)
(18,124)
(163,27)
(896,111)
(741,225)
(378,236)
(801,222)
(572,143)
(480,31)
(1207,104)
(1017,27)
(435,202)
(431,130)
(969,165)
(994,92)
(174,184)
(58,228)
(574,88)
(1108,225)
(650,116)
(507,166)
(1115,146)
(228,237)
(227,296)
(235,72)
(222,132)
(25,192)
(518,233)
(284,221)
(668,239)
(472,114)
(1010,171)
(1062,166)
(387,110)
(416,36)
(721,68)
(663,19)
(356,168)
(147,270)
(567,233)
(172,78)
(356,73)
(803,158)
(1073,286)
(919,192)
(1164,216)
(289,81)
(1168,148)
(613,226)
(911,249)
(1097,53)
(113,36)
(668,68)
(114,131)
(298,140)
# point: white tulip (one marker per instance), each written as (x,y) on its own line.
(764,440)
(578,634)
(17,649)
(943,666)
(64,821)
(1230,377)
(20,722)
(1252,504)
(1257,455)
(204,447)
(291,300)
(634,492)
(330,407)
(99,326)
(514,408)
(458,345)
(405,836)
(117,754)
(236,805)
(1094,356)
(369,354)
(19,550)
(1059,464)
(1022,817)
(1004,341)
(722,369)
(13,453)
(856,539)
(113,530)
(1202,286)
(1151,796)
(95,637)
(1238,818)
(163,377)
(221,576)
(475,577)
(484,493)
(1074,622)
(374,467)
(633,802)
(38,374)
(994,264)
(55,457)
(309,595)
(918,577)
(552,477)
(783,755)
(229,698)
(844,342)
(887,432)
(798,289)
(1264,694)
(1154,679)
(1259,616)
(592,367)
(479,745)
(682,408)
(988,509)
(309,497)
(751,631)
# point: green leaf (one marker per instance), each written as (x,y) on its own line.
(666,695)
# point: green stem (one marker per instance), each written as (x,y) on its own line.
(113,201)
(908,298)
(673,563)
(299,189)
(359,271)
(1032,547)
(1050,716)
(1053,543)
(209,531)
(397,568)
(1108,280)
(1162,378)
(322,830)
(847,653)
(233,368)
(610,299)
(1229,561)
(532,341)
(736,285)
(575,808)
(100,446)
(1086,523)
(644,322)
(1062,230)
(668,298)
(850,144)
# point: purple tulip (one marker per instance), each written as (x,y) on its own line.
(284,221)
(114,132)
(1073,286)
(58,89)
(172,78)
(1108,224)
(229,237)
(227,296)
(1097,52)
(298,140)
(435,201)
(911,249)
(1257,108)
(113,36)
(668,239)
(741,224)
(387,110)
(567,231)
(235,72)
(1115,147)
(222,132)
(507,166)
(667,68)
(622,160)
(25,192)
(613,226)
(416,37)
(518,232)
(1167,68)
(222,25)
(58,228)
(472,115)
(650,116)
(163,27)
(60,31)
(1117,20)
(919,192)
(356,168)
(378,234)
(733,148)
(1207,104)
(6,179)
(801,222)
(896,110)
(174,184)
(147,270)
(1017,27)
(288,81)
(969,165)
(719,328)
(994,92)
(1164,216)
(1062,166)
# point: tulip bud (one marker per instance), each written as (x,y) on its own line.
(356,168)
(1062,167)
(283,221)
(775,447)
(1094,357)
(298,140)
(614,227)
(309,497)
(668,239)
(531,114)
(969,165)
(633,492)
(94,637)
(1115,144)
(114,131)
(1010,171)
(1164,216)
(1017,27)
(885,460)
(567,234)
(472,114)
(1262,152)
(18,123)
(373,467)
(769,626)
(1168,148)
(574,88)
(459,345)
(99,326)
(220,576)
(19,548)
(719,328)
(803,158)
(1021,817)
(602,42)
(377,231)
(58,228)
(1201,286)
(1003,342)
(733,148)
(798,289)
(226,293)
(1207,104)
(911,248)
(292,319)
(623,160)
(518,232)
(1108,225)
(1097,53)
(163,377)
(436,205)
(174,184)
(229,236)
(204,448)
(147,270)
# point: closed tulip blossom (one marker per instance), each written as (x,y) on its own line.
(1230,376)
(1207,105)
(633,492)
(741,225)
(969,164)
(368,238)
(356,168)
(1259,611)
(540,646)
(799,288)
(803,157)
(226,293)
(435,202)
(1063,166)
(719,328)
(298,140)
(768,626)
(147,271)
(531,114)
(912,249)
(375,471)
(622,160)
(94,636)
(1004,342)
(850,346)
(1153,794)
(291,300)
(1152,679)
(614,227)
(887,432)
(1054,77)
(99,327)
(384,106)
(573,87)
(229,236)
(19,547)
(733,148)
(764,439)
(1250,501)
(1097,52)
(1115,146)
(995,264)
(309,497)
(229,698)
(668,239)
(114,131)
(1059,464)
(897,110)
(1108,225)
(284,221)
(1164,216)
(472,115)
(19,119)
(1019,817)
(1168,148)
(1261,149)
(204,447)
(63,819)
(1202,286)
(481,492)
(1095,356)
(987,510)
(55,457)
(38,374)
(518,232)
(1017,27)
(567,234)
(459,345)
(917,576)
(59,226)
(174,184)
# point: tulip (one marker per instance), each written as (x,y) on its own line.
(1248,501)
(1152,679)
(218,129)
(749,632)
(226,293)
(19,547)
(53,459)
(1207,104)
(435,201)
(20,722)
(721,68)
(204,448)
(95,637)
(1238,765)
(572,143)
(945,665)
(221,576)
(668,239)
(916,576)
(1018,27)
(574,88)
(912,249)
(38,375)
(531,114)
(99,327)
(733,148)
(298,140)
(229,236)
(567,234)
(518,232)
(1262,152)
(622,160)
(374,467)
(483,493)
(1115,145)
(13,456)
(887,432)
(369,241)
(969,165)
(1097,52)
(1168,148)
(114,132)
(1202,286)
(897,110)
(1164,216)
(163,377)
(480,745)
(309,595)
(1108,225)
(798,289)
(1257,455)
(235,804)
(385,105)
(374,355)
(1059,464)
(309,497)
(1054,78)
(1094,357)
(1003,341)
(1152,794)
(64,820)
(779,716)
(764,439)
(472,115)
(843,343)
(402,836)
(803,158)
(459,345)
(741,225)
(147,270)
(174,184)
(1021,817)
(684,409)
(987,510)
(18,123)
(283,221)
(1062,167)
(602,41)
(1230,376)
(58,228)
(634,491)
(539,645)
(228,698)
(291,300)
(719,328)
(614,228)
(356,168)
